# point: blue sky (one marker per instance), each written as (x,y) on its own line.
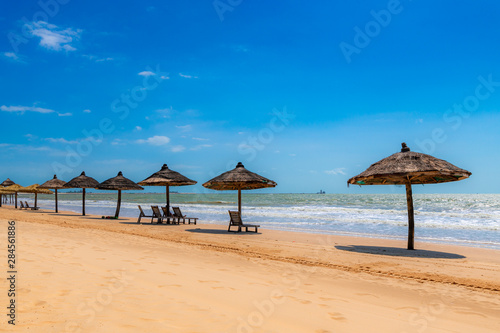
(306,94)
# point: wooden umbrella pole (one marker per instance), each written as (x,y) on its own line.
(15,205)
(83,204)
(239,200)
(167,189)
(36,197)
(411,220)
(119,203)
(56,201)
(1,198)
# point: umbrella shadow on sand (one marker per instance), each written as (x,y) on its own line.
(399,252)
(220,232)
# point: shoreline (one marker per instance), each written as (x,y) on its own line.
(87,274)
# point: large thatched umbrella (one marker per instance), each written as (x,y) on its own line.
(166,177)
(82,182)
(407,168)
(5,183)
(14,189)
(119,183)
(36,189)
(239,179)
(54,184)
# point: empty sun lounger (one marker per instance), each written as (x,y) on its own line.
(141,215)
(28,206)
(179,216)
(169,216)
(22,206)
(156,215)
(237,222)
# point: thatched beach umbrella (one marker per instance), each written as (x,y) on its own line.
(119,183)
(407,168)
(238,179)
(36,189)
(166,177)
(54,184)
(14,189)
(5,183)
(82,182)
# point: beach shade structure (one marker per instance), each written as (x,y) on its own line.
(82,182)
(53,184)
(36,189)
(407,168)
(5,183)
(166,177)
(16,188)
(118,183)
(238,179)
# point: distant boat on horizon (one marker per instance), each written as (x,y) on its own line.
(321,192)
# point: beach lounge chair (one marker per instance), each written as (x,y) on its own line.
(168,216)
(179,216)
(156,214)
(22,206)
(141,215)
(28,206)
(237,222)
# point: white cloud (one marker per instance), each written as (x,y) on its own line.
(52,37)
(187,76)
(146,73)
(336,171)
(61,140)
(163,77)
(87,111)
(200,139)
(23,109)
(138,128)
(185,128)
(105,59)
(67,114)
(178,149)
(11,55)
(293,155)
(156,140)
(198,147)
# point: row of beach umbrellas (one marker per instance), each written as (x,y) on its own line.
(402,168)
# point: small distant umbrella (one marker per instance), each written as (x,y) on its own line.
(407,168)
(36,189)
(5,183)
(238,179)
(166,177)
(82,182)
(54,184)
(14,189)
(119,183)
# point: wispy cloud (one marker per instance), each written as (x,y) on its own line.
(198,147)
(61,140)
(52,37)
(87,111)
(23,109)
(336,171)
(178,149)
(187,76)
(138,128)
(11,55)
(146,73)
(156,140)
(185,128)
(67,114)
(97,59)
(200,139)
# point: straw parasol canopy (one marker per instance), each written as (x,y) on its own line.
(15,188)
(166,177)
(54,184)
(119,183)
(82,182)
(7,182)
(239,179)
(36,189)
(407,168)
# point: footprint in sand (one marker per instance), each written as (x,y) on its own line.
(40,303)
(336,316)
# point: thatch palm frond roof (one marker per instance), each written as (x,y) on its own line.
(35,188)
(7,182)
(119,183)
(239,178)
(167,177)
(53,183)
(406,165)
(82,181)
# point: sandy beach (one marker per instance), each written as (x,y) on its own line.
(86,274)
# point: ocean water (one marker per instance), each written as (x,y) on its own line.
(462,219)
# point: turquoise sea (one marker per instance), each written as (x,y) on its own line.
(462,219)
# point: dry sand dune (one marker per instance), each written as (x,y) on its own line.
(85,274)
